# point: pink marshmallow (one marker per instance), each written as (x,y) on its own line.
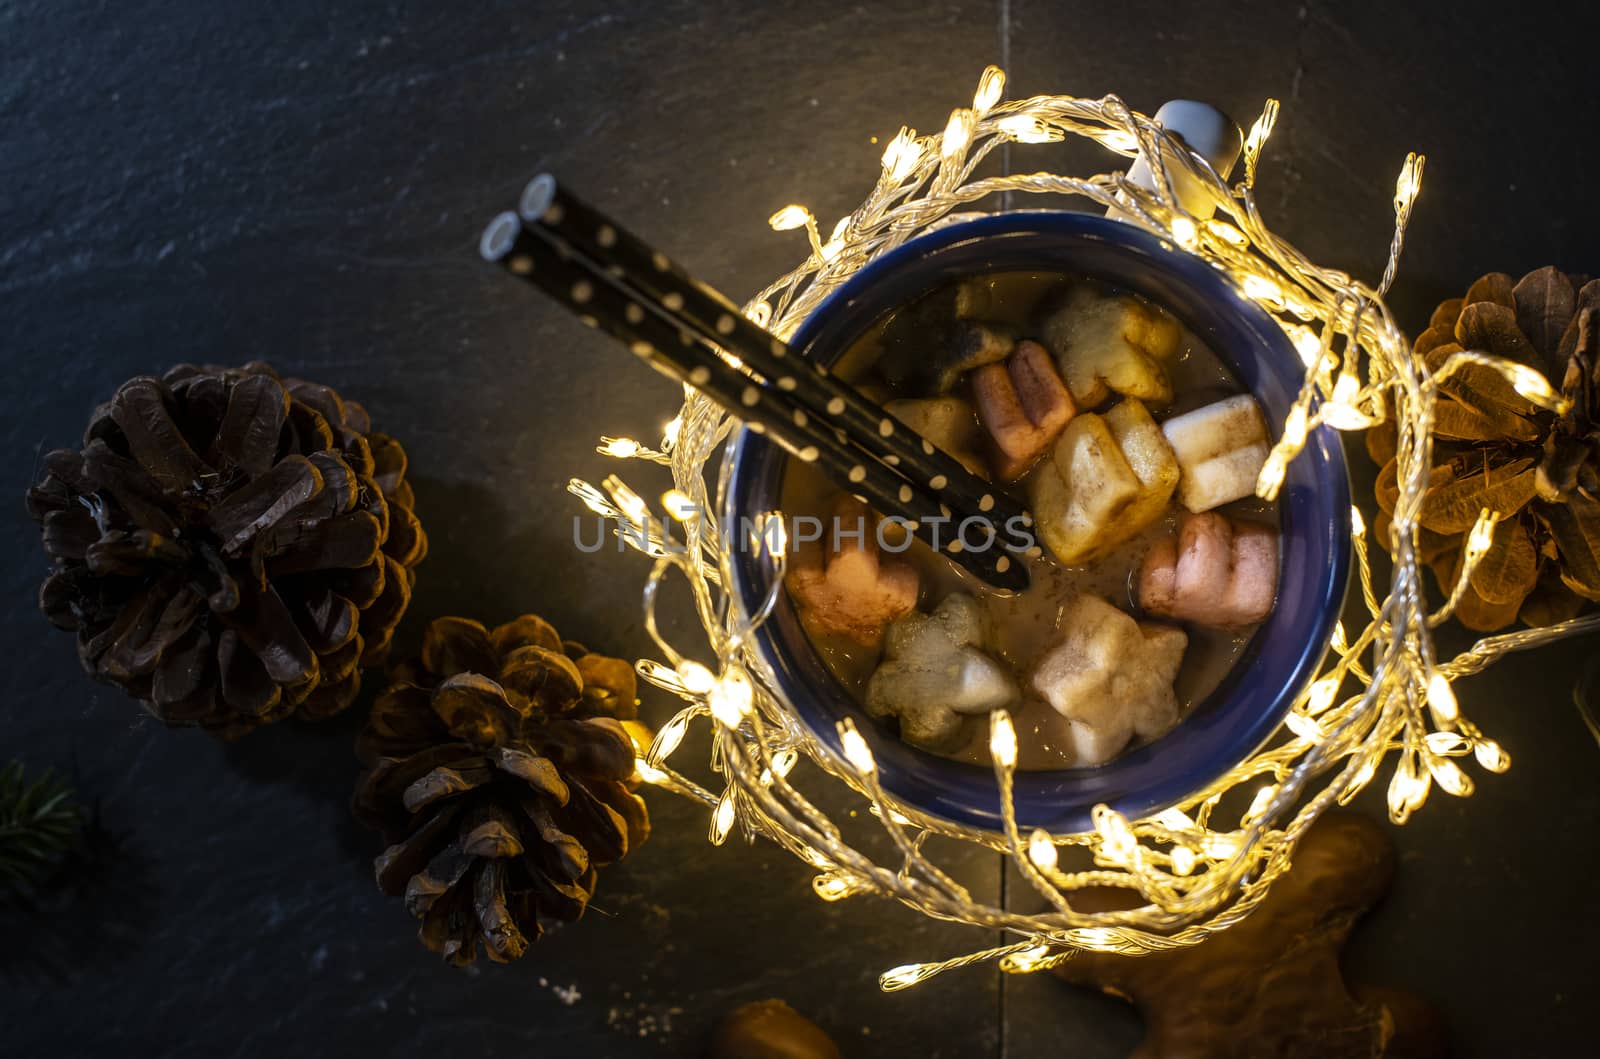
(1205,558)
(1158,576)
(1255,572)
(1024,405)
(1218,572)
(848,588)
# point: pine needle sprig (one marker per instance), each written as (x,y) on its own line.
(39,821)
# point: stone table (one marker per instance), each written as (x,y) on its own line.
(304,183)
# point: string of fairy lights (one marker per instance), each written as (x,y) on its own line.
(1201,865)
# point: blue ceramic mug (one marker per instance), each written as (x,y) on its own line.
(1282,658)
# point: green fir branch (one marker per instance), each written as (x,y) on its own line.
(39,822)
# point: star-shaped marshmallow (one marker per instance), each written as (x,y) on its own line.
(1111,678)
(934,672)
(848,588)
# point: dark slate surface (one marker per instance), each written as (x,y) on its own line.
(304,182)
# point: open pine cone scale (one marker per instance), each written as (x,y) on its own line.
(229,546)
(1495,449)
(501,773)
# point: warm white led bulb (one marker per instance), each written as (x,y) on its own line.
(1099,938)
(991,86)
(1227,233)
(1364,774)
(730,698)
(1491,755)
(1261,129)
(1270,480)
(957,134)
(1530,383)
(1481,539)
(1303,727)
(678,505)
(1445,743)
(1408,183)
(907,974)
(900,158)
(1120,140)
(1002,739)
(670,737)
(856,750)
(1117,839)
(722,819)
(1175,820)
(774,533)
(1448,775)
(790,217)
(630,503)
(833,886)
(1345,390)
(1262,289)
(759,313)
(1320,697)
(1442,700)
(696,678)
(783,761)
(1306,343)
(1026,129)
(1183,232)
(1259,804)
(1025,960)
(1042,851)
(1294,427)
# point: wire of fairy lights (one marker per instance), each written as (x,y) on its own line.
(1383,698)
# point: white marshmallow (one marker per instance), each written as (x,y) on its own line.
(934,671)
(1221,449)
(1111,678)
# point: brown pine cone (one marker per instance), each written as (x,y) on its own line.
(1495,449)
(229,546)
(501,774)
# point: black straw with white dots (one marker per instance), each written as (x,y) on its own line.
(705,310)
(602,298)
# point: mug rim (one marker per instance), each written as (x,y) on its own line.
(1230,723)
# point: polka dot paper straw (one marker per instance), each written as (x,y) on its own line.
(712,315)
(540,257)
